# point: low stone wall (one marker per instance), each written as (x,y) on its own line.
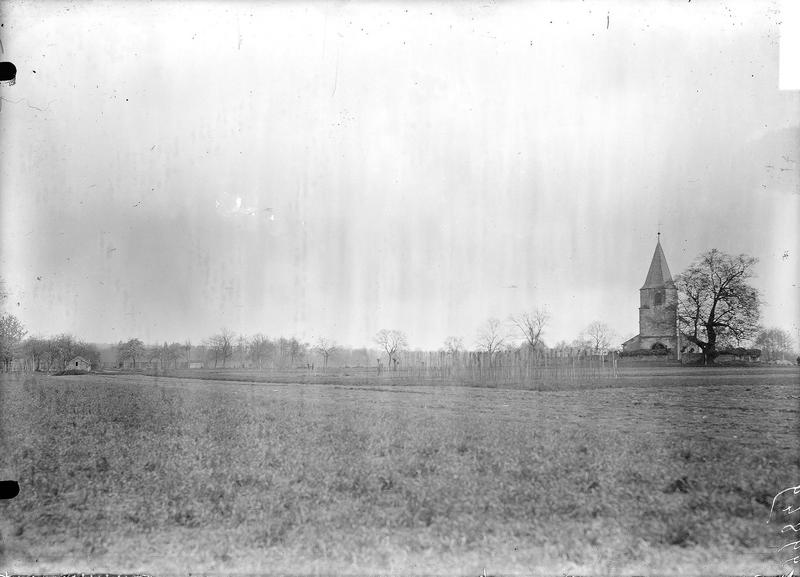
(648,361)
(724,358)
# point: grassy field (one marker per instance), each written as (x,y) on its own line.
(663,474)
(630,374)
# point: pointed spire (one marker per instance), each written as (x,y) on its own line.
(658,276)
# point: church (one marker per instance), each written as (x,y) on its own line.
(658,310)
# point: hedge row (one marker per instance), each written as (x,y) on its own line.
(645,353)
(740,352)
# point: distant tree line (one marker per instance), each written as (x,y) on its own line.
(717,309)
(226,349)
(52,353)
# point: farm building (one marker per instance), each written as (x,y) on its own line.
(658,313)
(78,364)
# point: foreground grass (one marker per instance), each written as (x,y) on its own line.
(132,473)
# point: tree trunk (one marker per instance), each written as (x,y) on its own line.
(709,350)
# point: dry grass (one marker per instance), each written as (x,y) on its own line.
(129,473)
(629,374)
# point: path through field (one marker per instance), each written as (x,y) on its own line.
(177,476)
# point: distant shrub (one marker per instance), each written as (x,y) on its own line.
(692,358)
(740,352)
(72,372)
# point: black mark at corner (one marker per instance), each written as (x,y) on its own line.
(8,72)
(9,489)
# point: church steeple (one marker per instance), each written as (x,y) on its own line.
(658,309)
(658,276)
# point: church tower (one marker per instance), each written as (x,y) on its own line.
(658,308)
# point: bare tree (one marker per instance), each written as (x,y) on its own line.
(132,349)
(187,351)
(154,353)
(35,348)
(221,345)
(3,292)
(393,342)
(260,349)
(716,302)
(62,349)
(296,350)
(213,348)
(283,350)
(599,336)
(241,348)
(532,325)
(562,347)
(453,345)
(226,340)
(325,347)
(582,345)
(491,337)
(11,334)
(775,343)
(173,352)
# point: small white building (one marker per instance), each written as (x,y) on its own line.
(78,364)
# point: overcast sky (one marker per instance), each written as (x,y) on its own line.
(332,168)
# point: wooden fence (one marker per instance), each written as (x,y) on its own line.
(503,368)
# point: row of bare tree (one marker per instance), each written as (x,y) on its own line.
(226,349)
(523,331)
(52,353)
(717,307)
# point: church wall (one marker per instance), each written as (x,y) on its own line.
(668,341)
(658,319)
(657,322)
(631,345)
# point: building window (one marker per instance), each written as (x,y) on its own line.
(659,298)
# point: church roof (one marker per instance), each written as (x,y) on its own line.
(658,276)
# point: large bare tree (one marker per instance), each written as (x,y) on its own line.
(715,301)
(532,325)
(393,342)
